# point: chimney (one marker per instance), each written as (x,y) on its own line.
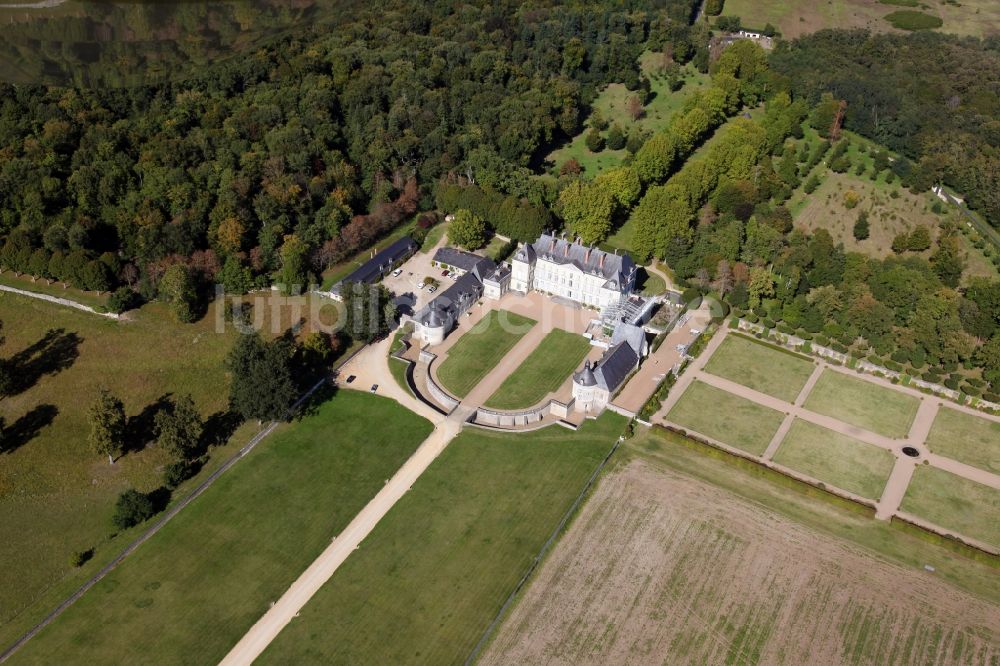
(601,265)
(586,257)
(566,250)
(552,248)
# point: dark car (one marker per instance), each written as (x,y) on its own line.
(374,388)
(350,378)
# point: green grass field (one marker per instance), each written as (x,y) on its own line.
(611,103)
(761,367)
(835,459)
(862,403)
(649,284)
(892,209)
(429,579)
(480,349)
(726,417)
(955,503)
(794,18)
(966,438)
(56,495)
(191,592)
(542,372)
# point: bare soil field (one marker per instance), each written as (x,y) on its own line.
(660,567)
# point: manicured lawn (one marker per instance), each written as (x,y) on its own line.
(56,495)
(761,367)
(726,417)
(955,503)
(650,284)
(481,348)
(194,589)
(546,368)
(862,403)
(429,579)
(966,438)
(836,459)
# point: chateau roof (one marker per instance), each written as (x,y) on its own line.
(613,267)
(616,364)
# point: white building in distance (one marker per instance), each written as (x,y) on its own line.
(571,270)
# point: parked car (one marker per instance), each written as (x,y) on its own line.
(695,331)
(422,285)
(454,276)
(351,378)
(445,273)
(374,388)
(397,272)
(432,289)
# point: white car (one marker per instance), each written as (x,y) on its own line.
(695,331)
(422,285)
(397,272)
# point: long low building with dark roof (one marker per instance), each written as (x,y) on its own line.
(379,265)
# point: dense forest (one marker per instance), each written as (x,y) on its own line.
(301,153)
(932,97)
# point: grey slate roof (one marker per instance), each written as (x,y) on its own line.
(633,335)
(616,364)
(376,267)
(586,376)
(617,268)
(450,303)
(460,259)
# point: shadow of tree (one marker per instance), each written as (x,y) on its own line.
(140,430)
(217,429)
(57,350)
(27,427)
(325,392)
(160,498)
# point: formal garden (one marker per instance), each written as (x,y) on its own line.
(542,372)
(479,349)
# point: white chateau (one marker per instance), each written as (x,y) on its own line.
(551,265)
(574,271)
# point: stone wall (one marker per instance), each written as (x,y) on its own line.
(438,393)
